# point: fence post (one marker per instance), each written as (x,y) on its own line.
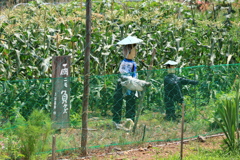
(53,147)
(86,79)
(182,130)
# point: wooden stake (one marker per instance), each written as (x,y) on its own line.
(53,147)
(144,132)
(182,130)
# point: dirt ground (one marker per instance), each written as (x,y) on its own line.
(151,151)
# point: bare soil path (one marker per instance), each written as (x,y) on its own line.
(151,151)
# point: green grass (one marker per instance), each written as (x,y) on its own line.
(203,154)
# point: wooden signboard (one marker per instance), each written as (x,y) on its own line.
(60,91)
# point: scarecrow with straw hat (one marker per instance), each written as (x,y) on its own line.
(173,90)
(128,84)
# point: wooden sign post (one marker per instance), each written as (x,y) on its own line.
(60,92)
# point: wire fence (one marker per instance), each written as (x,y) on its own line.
(19,99)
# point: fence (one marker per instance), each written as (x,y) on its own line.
(19,99)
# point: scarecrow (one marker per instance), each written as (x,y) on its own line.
(128,85)
(173,90)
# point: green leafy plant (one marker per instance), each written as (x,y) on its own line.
(34,134)
(229,115)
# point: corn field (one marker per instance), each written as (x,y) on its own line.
(10,3)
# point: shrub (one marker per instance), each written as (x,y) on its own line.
(34,134)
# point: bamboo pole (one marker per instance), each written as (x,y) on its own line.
(140,107)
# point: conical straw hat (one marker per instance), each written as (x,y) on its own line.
(170,62)
(130,40)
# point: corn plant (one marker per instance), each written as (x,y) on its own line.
(30,35)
